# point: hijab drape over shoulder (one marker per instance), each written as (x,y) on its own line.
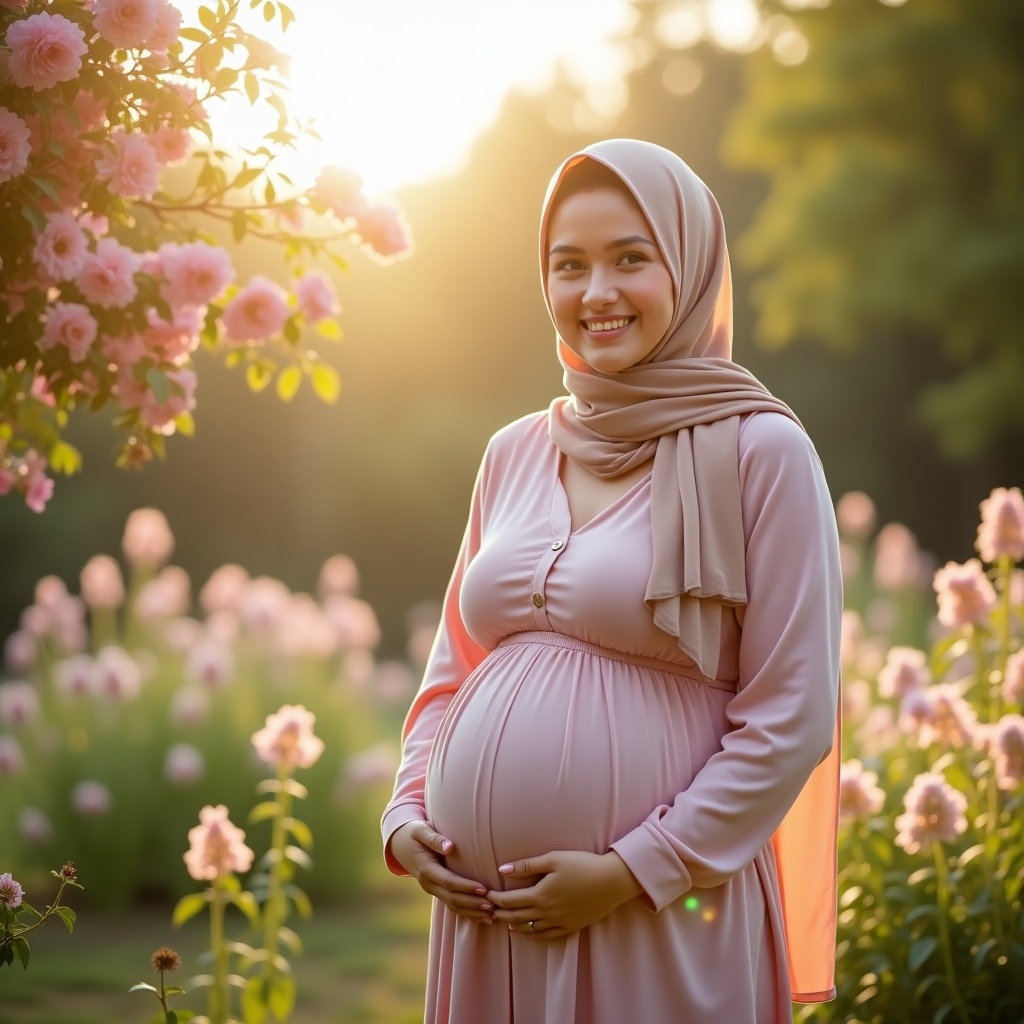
(682,404)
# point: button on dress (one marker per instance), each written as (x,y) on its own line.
(554,715)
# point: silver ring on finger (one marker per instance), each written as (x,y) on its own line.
(529,924)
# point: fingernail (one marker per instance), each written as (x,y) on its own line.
(446,845)
(486,906)
(480,892)
(506,868)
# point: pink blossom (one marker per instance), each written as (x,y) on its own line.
(256,313)
(223,627)
(1001,532)
(92,113)
(116,674)
(35,826)
(72,325)
(14,147)
(393,681)
(132,169)
(339,577)
(855,514)
(127,24)
(183,633)
(60,248)
(45,49)
(897,558)
(49,591)
(939,714)
(148,541)
(38,491)
(263,605)
(184,765)
(19,703)
(171,145)
(107,277)
(935,812)
(211,664)
(224,589)
(102,585)
(67,623)
(11,892)
(75,676)
(175,339)
(316,296)
(12,760)
(165,596)
(216,846)
(168,23)
(906,669)
(189,706)
(965,594)
(304,630)
(1007,745)
(160,416)
(196,273)
(20,651)
(287,738)
(1013,680)
(91,799)
(354,622)
(859,793)
(383,229)
(340,190)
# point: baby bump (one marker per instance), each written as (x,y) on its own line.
(549,748)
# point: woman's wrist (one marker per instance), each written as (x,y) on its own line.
(622,880)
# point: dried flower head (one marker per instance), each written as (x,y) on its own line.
(935,812)
(165,959)
(68,871)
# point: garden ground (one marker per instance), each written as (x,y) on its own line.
(363,964)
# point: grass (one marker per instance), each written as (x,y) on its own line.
(362,965)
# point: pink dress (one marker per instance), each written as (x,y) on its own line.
(554,715)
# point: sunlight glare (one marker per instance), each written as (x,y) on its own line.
(734,24)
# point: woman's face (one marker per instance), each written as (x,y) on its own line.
(609,288)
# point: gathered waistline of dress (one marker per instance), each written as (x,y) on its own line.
(541,636)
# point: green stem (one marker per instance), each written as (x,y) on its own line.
(273,911)
(942,895)
(163,993)
(219,993)
(874,879)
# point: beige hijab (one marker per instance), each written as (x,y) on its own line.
(681,404)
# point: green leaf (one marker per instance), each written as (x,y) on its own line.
(188,906)
(290,939)
(282,996)
(288,381)
(239,225)
(968,855)
(291,331)
(300,899)
(262,811)
(193,35)
(920,951)
(207,18)
(299,856)
(68,916)
(329,329)
(185,424)
(65,458)
(287,17)
(143,987)
(326,382)
(246,903)
(943,1012)
(170,1017)
(34,216)
(254,1006)
(269,192)
(22,952)
(159,384)
(979,956)
(45,185)
(252,87)
(246,176)
(174,990)
(269,11)
(257,376)
(302,832)
(234,357)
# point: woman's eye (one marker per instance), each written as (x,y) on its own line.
(631,257)
(569,265)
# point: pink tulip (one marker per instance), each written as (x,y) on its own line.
(1007,746)
(210,664)
(74,676)
(354,622)
(19,703)
(20,651)
(339,577)
(116,674)
(184,765)
(855,514)
(224,589)
(897,558)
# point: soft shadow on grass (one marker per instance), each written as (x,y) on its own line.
(362,965)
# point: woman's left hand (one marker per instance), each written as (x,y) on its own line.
(577,889)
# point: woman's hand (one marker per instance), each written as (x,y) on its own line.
(577,889)
(418,848)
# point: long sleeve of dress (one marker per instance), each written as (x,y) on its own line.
(784,713)
(453,657)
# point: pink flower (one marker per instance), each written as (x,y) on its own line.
(216,846)
(393,681)
(35,826)
(160,416)
(1013,681)
(905,669)
(72,325)
(196,273)
(340,190)
(107,277)
(934,813)
(38,491)
(897,558)
(102,585)
(184,765)
(383,229)
(148,541)
(74,676)
(211,664)
(1007,746)
(304,631)
(940,714)
(11,892)
(132,169)
(60,248)
(173,340)
(339,577)
(116,674)
(45,49)
(14,147)
(20,651)
(171,145)
(316,296)
(168,23)
(19,704)
(1002,525)
(965,594)
(189,706)
(50,591)
(223,591)
(128,24)
(287,738)
(92,113)
(354,621)
(12,760)
(165,596)
(124,352)
(91,799)
(855,513)
(182,634)
(257,312)
(859,794)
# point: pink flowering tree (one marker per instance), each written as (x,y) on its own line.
(111,189)
(931,925)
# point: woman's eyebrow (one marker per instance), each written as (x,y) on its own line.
(619,243)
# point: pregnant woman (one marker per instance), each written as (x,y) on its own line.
(619,775)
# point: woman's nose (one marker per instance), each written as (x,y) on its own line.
(600,291)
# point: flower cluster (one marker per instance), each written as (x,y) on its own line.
(109,284)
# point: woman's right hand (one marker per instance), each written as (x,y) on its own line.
(418,848)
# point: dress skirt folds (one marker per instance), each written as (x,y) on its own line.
(555,716)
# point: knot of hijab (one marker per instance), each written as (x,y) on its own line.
(681,404)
